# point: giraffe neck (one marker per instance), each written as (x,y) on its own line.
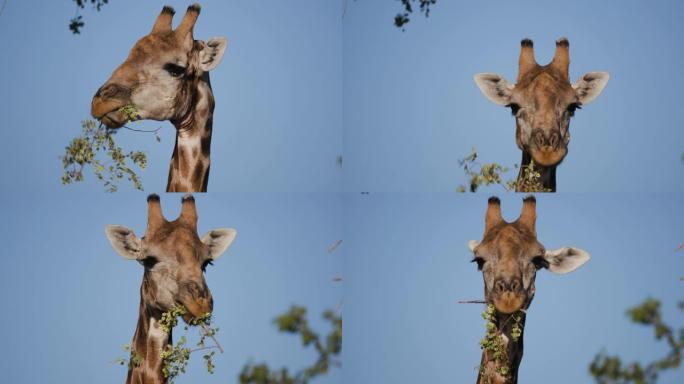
(548,174)
(189,169)
(489,367)
(148,341)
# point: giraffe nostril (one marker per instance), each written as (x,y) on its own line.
(515,285)
(539,138)
(112,91)
(554,140)
(499,286)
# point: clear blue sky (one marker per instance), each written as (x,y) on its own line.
(70,302)
(298,86)
(278,90)
(407,264)
(412,110)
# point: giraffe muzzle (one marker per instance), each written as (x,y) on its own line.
(508,295)
(547,149)
(197,300)
(106,103)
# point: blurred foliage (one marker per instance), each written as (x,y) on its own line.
(96,147)
(607,369)
(402,18)
(294,322)
(76,23)
(493,174)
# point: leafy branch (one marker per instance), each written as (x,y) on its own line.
(96,147)
(487,174)
(610,369)
(402,18)
(483,174)
(294,322)
(76,22)
(495,344)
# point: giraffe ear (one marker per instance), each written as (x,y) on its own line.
(472,244)
(218,241)
(495,87)
(124,241)
(590,86)
(210,56)
(566,259)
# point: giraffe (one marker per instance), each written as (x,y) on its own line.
(166,77)
(174,259)
(509,257)
(542,101)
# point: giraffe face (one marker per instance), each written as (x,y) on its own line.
(543,101)
(160,75)
(174,258)
(542,111)
(509,257)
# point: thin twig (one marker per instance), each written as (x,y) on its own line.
(203,348)
(3,6)
(141,130)
(333,247)
(206,332)
(472,302)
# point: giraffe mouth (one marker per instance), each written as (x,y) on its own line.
(196,311)
(547,157)
(113,119)
(508,303)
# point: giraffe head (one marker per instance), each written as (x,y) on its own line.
(161,72)
(174,258)
(543,100)
(509,257)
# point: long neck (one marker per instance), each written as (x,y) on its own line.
(548,174)
(189,169)
(490,366)
(146,365)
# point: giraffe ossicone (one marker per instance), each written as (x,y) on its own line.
(174,258)
(543,101)
(509,256)
(166,77)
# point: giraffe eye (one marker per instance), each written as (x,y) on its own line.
(514,108)
(572,108)
(480,262)
(149,262)
(205,264)
(540,262)
(174,70)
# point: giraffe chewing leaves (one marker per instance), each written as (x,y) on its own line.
(130,112)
